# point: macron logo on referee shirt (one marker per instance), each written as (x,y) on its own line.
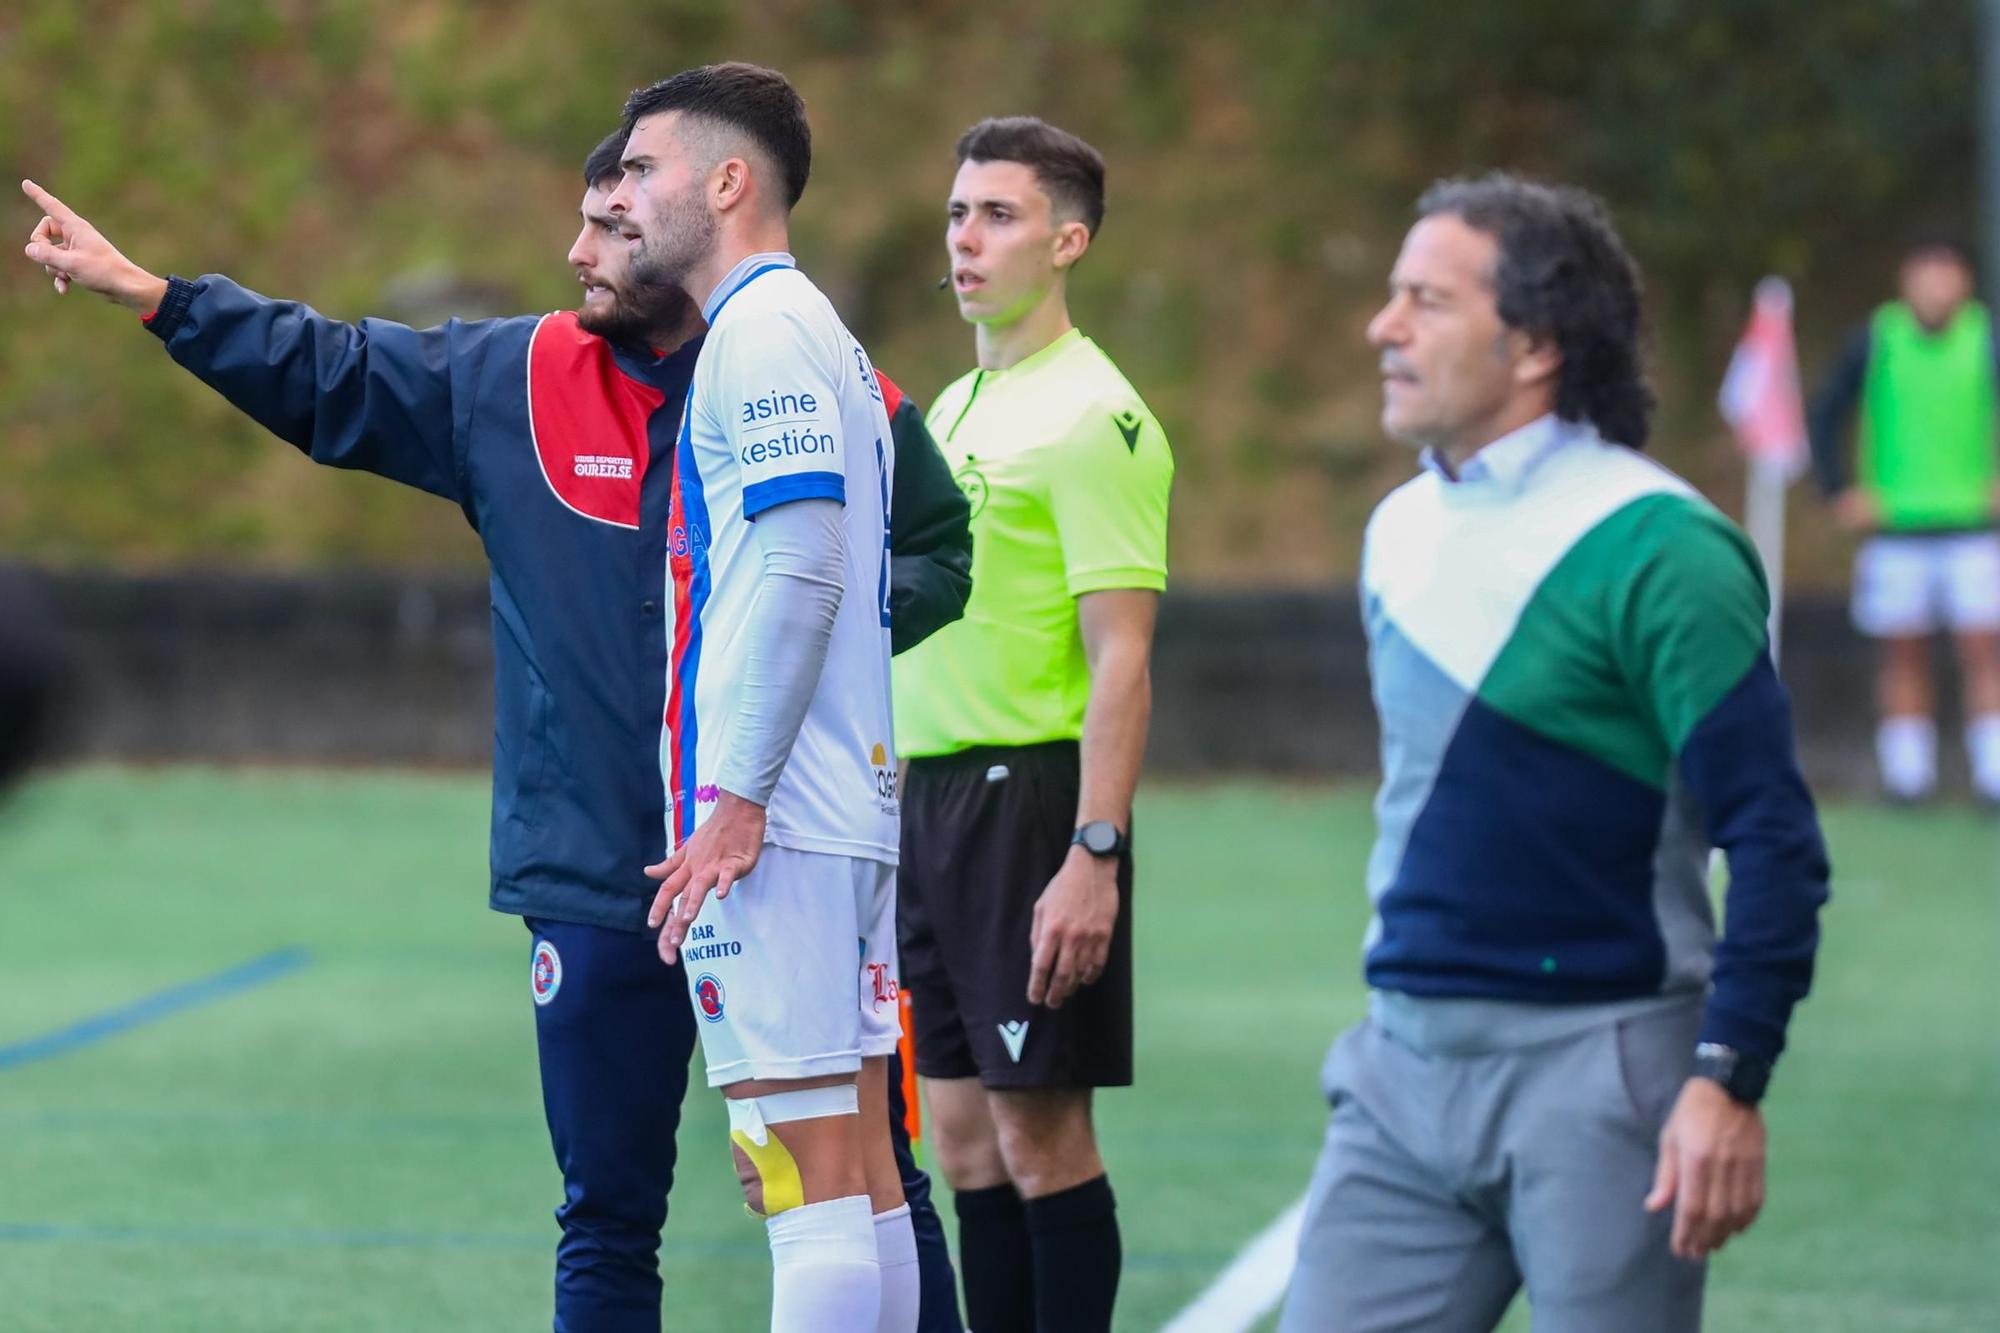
(1128,424)
(1015,1035)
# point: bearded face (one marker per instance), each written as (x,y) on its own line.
(615,305)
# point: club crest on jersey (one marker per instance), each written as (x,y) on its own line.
(708,994)
(545,977)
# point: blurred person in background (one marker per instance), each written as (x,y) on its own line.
(28,673)
(555,434)
(1025,726)
(1924,492)
(1557,1083)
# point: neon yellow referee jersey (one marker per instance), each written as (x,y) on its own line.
(1068,475)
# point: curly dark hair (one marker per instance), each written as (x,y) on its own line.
(1563,272)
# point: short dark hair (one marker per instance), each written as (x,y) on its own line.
(1939,244)
(604,160)
(1069,170)
(748,98)
(1563,272)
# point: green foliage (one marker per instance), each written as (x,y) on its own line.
(1263,160)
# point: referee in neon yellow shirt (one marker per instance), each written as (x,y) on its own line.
(1024,725)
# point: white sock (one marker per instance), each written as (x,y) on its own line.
(1906,748)
(824,1278)
(1982,743)
(902,1289)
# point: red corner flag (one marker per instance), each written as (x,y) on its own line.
(1760,399)
(1760,394)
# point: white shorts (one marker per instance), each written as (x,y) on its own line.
(1909,586)
(793,975)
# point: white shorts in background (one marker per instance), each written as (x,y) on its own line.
(1909,586)
(793,975)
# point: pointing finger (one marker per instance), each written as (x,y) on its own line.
(48,203)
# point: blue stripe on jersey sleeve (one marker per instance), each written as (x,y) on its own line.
(761,495)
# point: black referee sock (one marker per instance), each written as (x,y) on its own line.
(1077,1258)
(995,1261)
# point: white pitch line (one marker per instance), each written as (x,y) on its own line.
(1251,1286)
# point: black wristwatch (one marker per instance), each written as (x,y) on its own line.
(1101,838)
(1743,1077)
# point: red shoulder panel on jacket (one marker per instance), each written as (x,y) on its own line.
(588,420)
(892,397)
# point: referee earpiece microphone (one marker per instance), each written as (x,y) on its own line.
(944,282)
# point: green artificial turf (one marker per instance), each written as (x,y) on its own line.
(357,1143)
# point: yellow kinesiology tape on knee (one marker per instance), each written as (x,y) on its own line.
(750,1121)
(777,1171)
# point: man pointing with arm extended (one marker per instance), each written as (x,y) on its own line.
(555,434)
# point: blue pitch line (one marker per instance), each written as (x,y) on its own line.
(154,1007)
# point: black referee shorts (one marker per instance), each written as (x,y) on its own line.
(984,831)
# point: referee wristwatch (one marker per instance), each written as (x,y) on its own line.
(1743,1077)
(1101,838)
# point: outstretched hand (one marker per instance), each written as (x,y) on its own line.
(74,253)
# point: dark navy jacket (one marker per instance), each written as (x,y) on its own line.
(559,448)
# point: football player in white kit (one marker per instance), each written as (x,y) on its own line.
(777,751)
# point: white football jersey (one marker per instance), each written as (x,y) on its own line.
(784,406)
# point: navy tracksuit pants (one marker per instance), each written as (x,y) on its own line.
(616,1033)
